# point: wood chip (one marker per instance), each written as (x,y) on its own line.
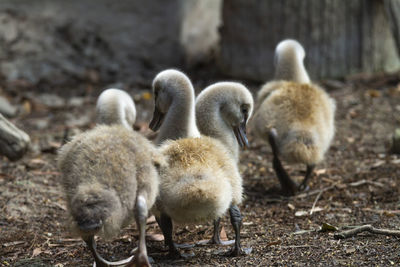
(301,213)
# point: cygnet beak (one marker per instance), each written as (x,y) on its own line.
(158,118)
(240,133)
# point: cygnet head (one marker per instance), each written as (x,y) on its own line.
(115,106)
(222,112)
(173,106)
(289,62)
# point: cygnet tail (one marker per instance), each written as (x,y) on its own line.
(198,198)
(300,147)
(93,208)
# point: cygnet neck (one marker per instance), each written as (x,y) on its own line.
(113,109)
(211,123)
(180,120)
(290,67)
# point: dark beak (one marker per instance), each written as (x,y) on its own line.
(240,133)
(157,120)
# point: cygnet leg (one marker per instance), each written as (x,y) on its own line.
(236,221)
(216,238)
(141,213)
(289,187)
(165,223)
(309,171)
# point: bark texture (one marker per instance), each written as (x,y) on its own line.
(340,37)
(54,40)
(13,141)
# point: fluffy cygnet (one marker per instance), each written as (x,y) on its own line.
(201,180)
(110,177)
(294,115)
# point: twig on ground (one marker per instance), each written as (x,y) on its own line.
(303,195)
(315,202)
(363,181)
(369,228)
(389,212)
(340,186)
(300,246)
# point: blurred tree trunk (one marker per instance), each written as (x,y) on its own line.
(341,37)
(393,11)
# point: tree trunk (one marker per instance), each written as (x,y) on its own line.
(341,37)
(393,11)
(13,142)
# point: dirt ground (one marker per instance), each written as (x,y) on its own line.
(357,184)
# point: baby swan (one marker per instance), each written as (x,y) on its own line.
(294,115)
(222,112)
(109,175)
(174,106)
(115,106)
(202,180)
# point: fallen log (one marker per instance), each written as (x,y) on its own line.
(13,141)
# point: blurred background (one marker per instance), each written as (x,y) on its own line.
(58,42)
(56,56)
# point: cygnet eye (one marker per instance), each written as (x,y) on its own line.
(245,109)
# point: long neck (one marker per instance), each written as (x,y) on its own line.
(112,112)
(180,121)
(211,123)
(290,67)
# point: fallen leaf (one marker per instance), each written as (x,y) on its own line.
(155,237)
(350,250)
(291,206)
(327,227)
(223,235)
(36,252)
(373,93)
